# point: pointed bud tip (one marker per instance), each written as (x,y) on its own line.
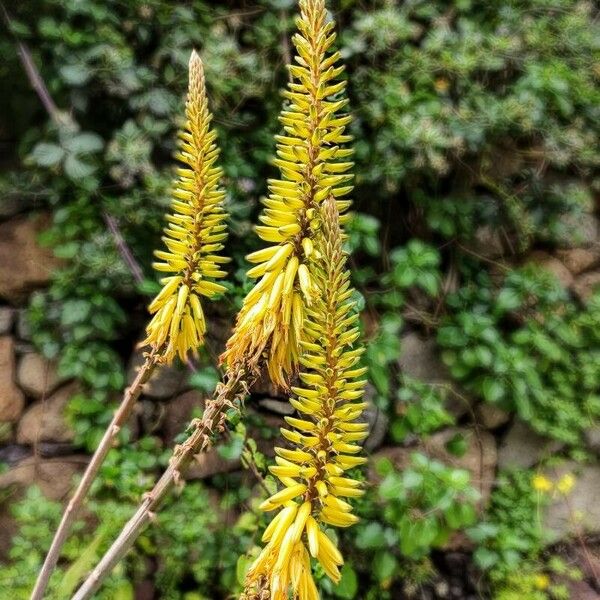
(195,59)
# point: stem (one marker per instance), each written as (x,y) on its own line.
(227,395)
(121,415)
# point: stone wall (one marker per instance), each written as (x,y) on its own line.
(36,440)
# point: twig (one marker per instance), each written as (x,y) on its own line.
(130,397)
(123,248)
(37,83)
(228,394)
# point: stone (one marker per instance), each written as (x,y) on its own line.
(23,325)
(178,413)
(24,264)
(578,260)
(12,204)
(211,463)
(592,439)
(7,318)
(279,407)
(6,433)
(12,400)
(580,590)
(165,382)
(378,425)
(45,420)
(491,416)
(480,457)
(586,284)
(579,511)
(36,375)
(523,448)
(150,415)
(553,266)
(54,476)
(13,453)
(419,359)
(580,230)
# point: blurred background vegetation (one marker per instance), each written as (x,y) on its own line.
(476,251)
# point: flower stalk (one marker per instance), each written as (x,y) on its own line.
(228,394)
(316,488)
(313,166)
(193,237)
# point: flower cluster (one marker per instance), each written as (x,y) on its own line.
(313,167)
(324,439)
(194,235)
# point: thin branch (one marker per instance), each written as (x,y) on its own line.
(130,397)
(229,394)
(35,79)
(123,248)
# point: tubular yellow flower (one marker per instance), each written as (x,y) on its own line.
(312,167)
(194,235)
(316,492)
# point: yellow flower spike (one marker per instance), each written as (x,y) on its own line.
(329,401)
(194,233)
(313,167)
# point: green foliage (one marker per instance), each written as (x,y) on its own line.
(425,503)
(422,409)
(512,531)
(527,348)
(197,544)
(468,117)
(510,543)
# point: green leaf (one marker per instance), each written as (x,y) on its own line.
(385,565)
(243,564)
(84,562)
(391,487)
(370,536)
(508,300)
(84,143)
(492,390)
(348,585)
(47,155)
(205,379)
(76,169)
(75,74)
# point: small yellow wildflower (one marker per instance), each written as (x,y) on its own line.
(565,483)
(542,581)
(541,483)
(193,236)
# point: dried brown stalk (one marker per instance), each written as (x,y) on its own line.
(229,394)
